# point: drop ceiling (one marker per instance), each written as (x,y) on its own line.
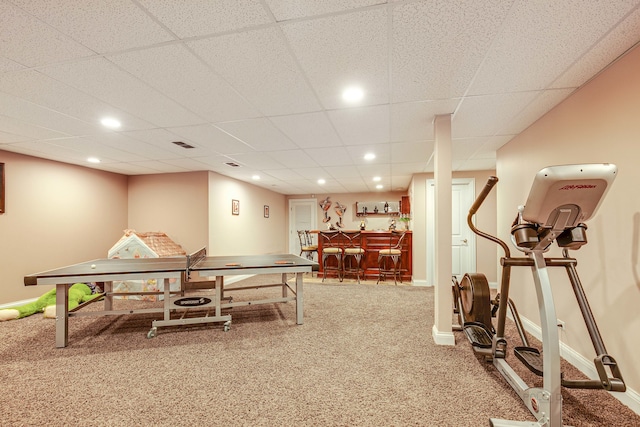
(258,83)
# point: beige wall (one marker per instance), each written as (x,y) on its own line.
(249,233)
(485,221)
(175,204)
(350,220)
(56,214)
(599,123)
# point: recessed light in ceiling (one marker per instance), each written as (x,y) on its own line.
(93,160)
(379,186)
(369,156)
(321,181)
(352,94)
(255,177)
(110,122)
(376,178)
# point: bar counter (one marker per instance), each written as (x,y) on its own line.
(372,242)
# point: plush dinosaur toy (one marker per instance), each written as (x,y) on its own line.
(78,293)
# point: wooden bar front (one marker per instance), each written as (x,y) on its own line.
(372,242)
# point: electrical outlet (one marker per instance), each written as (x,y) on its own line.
(561,324)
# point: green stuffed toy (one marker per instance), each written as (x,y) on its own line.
(78,293)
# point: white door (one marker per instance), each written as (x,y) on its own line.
(463,242)
(302,216)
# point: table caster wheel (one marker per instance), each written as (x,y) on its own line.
(152,333)
(226,326)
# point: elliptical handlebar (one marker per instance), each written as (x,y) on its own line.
(491,182)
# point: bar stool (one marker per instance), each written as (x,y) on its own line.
(391,254)
(331,249)
(306,244)
(352,253)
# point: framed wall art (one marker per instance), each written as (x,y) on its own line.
(235,207)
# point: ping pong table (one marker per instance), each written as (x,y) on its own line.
(193,272)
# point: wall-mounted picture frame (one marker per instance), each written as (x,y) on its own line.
(1,188)
(235,207)
(266,211)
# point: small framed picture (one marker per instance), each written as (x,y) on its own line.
(235,207)
(266,211)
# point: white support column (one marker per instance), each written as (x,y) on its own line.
(442,332)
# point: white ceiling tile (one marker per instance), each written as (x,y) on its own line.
(311,173)
(211,138)
(406,152)
(105,152)
(413,121)
(516,62)
(259,65)
(201,17)
(438,46)
(342,172)
(543,102)
(103,26)
(105,81)
(476,165)
(285,10)
(330,156)
(7,65)
(7,138)
(177,73)
(308,130)
(28,41)
(484,115)
(257,161)
(602,54)
(293,157)
(362,125)
(18,127)
(260,134)
(284,174)
(39,89)
(37,115)
(344,50)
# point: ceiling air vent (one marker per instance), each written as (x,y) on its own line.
(182,144)
(232,164)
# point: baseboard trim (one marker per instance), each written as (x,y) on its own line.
(630,398)
(442,338)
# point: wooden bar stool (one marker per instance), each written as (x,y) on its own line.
(306,244)
(331,249)
(393,255)
(352,254)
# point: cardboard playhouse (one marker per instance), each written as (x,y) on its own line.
(153,244)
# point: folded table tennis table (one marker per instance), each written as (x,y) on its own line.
(194,269)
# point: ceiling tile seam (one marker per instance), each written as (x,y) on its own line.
(484,58)
(359,9)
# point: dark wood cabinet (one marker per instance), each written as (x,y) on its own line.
(372,242)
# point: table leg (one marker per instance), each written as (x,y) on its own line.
(167,298)
(283,280)
(107,288)
(299,299)
(62,315)
(219,294)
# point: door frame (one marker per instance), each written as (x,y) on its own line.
(293,232)
(470,183)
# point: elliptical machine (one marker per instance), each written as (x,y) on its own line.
(561,199)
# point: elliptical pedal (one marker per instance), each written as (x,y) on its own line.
(478,334)
(531,358)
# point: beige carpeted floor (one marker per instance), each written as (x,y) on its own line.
(363,357)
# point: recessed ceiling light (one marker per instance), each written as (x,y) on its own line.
(110,122)
(255,177)
(369,156)
(379,186)
(353,94)
(93,160)
(321,181)
(376,178)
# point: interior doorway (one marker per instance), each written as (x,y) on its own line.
(463,241)
(303,215)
